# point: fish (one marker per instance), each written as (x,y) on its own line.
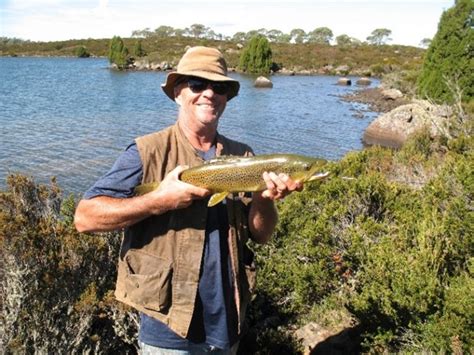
(232,174)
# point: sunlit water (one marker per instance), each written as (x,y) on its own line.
(70,118)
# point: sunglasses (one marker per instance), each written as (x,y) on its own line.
(198,85)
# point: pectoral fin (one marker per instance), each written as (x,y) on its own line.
(146,188)
(216,198)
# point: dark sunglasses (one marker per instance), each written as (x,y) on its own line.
(198,85)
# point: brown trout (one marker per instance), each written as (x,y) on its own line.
(227,174)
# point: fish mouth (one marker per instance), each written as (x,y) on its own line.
(319,176)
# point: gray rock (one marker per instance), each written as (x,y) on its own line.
(344,81)
(393,128)
(262,82)
(391,94)
(364,81)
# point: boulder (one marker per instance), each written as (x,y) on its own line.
(311,335)
(391,94)
(363,81)
(393,128)
(262,82)
(344,81)
(141,64)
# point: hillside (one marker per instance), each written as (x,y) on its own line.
(309,58)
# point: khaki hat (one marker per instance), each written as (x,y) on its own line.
(203,62)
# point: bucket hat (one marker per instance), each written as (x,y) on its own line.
(203,62)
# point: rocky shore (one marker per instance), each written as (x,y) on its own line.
(400,117)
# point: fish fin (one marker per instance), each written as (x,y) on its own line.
(216,198)
(319,176)
(146,188)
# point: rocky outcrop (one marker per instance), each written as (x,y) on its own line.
(262,82)
(393,128)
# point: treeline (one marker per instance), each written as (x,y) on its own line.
(320,35)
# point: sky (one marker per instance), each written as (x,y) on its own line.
(52,20)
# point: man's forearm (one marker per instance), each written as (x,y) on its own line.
(105,213)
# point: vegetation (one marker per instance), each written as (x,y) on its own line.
(297,51)
(390,253)
(55,283)
(256,58)
(82,52)
(118,53)
(379,36)
(379,255)
(449,59)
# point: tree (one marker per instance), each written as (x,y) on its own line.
(379,36)
(298,35)
(197,30)
(274,35)
(256,58)
(82,52)
(238,37)
(164,31)
(449,58)
(322,35)
(343,40)
(138,50)
(118,53)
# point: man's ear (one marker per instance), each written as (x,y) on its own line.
(177,94)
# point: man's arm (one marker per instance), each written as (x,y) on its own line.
(103,213)
(263,215)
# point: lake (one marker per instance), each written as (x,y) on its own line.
(71,117)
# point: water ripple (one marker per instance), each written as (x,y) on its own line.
(70,118)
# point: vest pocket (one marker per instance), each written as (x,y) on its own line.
(148,280)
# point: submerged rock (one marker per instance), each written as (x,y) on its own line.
(363,81)
(262,82)
(344,81)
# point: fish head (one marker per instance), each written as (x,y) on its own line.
(304,168)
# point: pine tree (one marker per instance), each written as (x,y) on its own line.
(118,53)
(138,50)
(256,57)
(449,59)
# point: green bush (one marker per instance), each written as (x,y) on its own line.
(398,259)
(82,52)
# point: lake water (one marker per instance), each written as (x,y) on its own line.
(70,118)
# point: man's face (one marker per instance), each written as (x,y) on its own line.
(201,101)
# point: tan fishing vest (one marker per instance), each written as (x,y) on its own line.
(160,257)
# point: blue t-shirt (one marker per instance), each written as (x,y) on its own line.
(215,317)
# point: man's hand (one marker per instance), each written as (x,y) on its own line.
(279,186)
(174,193)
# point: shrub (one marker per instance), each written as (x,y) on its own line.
(55,283)
(82,52)
(398,259)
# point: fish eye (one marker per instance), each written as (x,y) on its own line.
(306,166)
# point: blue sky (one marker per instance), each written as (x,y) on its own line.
(48,20)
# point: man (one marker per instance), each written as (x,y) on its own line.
(185,267)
